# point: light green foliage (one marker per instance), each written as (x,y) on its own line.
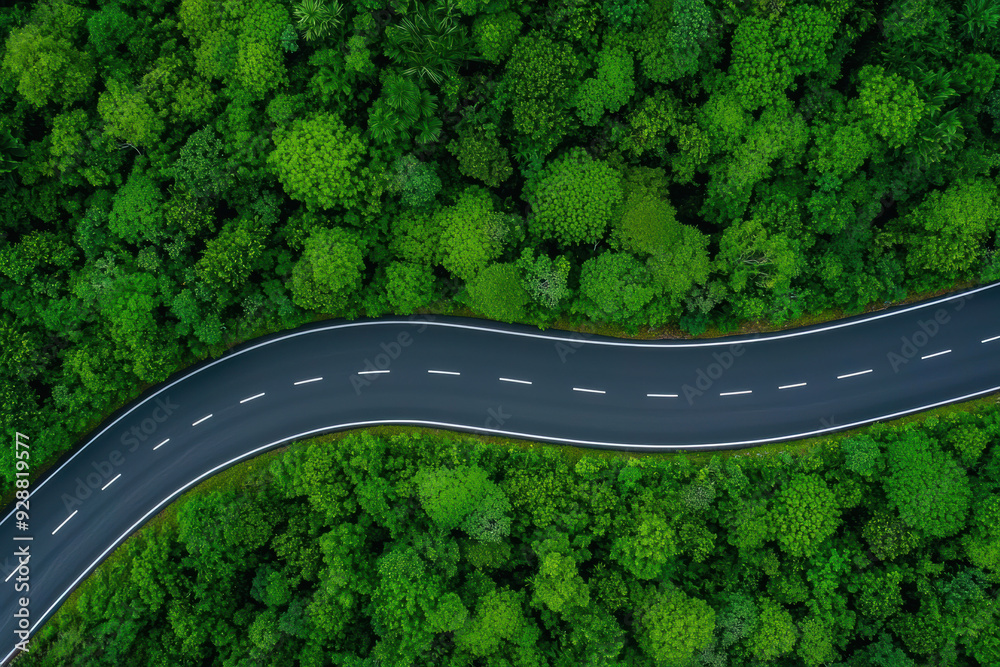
(46,67)
(409,286)
(175,92)
(558,585)
(231,256)
(495,34)
(862,455)
(614,287)
(927,486)
(946,233)
(317,18)
(815,645)
(481,155)
(416,182)
(645,544)
(464,497)
(805,514)
(416,236)
(128,115)
(260,60)
(652,124)
(319,162)
(329,271)
(768,53)
(360,58)
(891,106)
(672,39)
(498,618)
(403,599)
(545,279)
(674,626)
(472,233)
(496,292)
(775,633)
(982,543)
(968,441)
(609,89)
(137,215)
(756,262)
(841,148)
(575,199)
(538,83)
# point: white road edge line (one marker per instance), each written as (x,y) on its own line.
(735,393)
(64,521)
(850,375)
(307,381)
(250,398)
(524,334)
(517,434)
(936,354)
(590,391)
(201,420)
(990,340)
(792,386)
(161,444)
(370,372)
(662,395)
(111,482)
(444,372)
(513,380)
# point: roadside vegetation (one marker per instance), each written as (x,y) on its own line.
(178,176)
(880,549)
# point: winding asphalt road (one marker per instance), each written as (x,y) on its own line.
(463,374)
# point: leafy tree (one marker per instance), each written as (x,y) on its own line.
(609,89)
(805,514)
(672,39)
(624,15)
(472,233)
(614,287)
(409,286)
(674,626)
(775,633)
(887,536)
(319,162)
(137,214)
(128,115)
(429,41)
(495,34)
(646,544)
(558,585)
(538,84)
(496,292)
(454,497)
(575,199)
(889,104)
(46,67)
(329,271)
(930,490)
(415,181)
(862,455)
(497,619)
(231,256)
(481,156)
(259,58)
(200,167)
(546,280)
(108,29)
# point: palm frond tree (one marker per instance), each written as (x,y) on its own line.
(317,18)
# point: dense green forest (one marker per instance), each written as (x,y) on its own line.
(877,550)
(179,176)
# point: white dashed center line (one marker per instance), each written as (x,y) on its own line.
(161,444)
(936,354)
(445,372)
(850,375)
(64,521)
(792,386)
(307,381)
(201,420)
(250,398)
(990,340)
(662,395)
(736,393)
(589,391)
(370,372)
(111,482)
(513,380)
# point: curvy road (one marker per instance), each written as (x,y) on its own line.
(467,375)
